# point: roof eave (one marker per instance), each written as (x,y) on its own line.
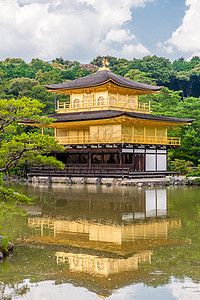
(65,89)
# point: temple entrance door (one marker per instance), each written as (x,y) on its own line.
(139,162)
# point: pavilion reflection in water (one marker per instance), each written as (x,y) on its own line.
(140,229)
(102,266)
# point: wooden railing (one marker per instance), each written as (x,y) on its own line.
(105,102)
(97,171)
(120,139)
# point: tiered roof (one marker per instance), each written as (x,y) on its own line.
(108,114)
(99,78)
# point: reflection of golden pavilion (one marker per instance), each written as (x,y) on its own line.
(130,232)
(103,266)
(105,239)
(121,239)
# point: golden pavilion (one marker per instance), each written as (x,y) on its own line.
(106,131)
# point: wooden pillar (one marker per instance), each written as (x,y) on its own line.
(133,161)
(90,159)
(120,157)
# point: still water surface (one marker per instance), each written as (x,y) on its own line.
(93,242)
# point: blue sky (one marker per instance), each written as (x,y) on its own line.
(156,22)
(82,29)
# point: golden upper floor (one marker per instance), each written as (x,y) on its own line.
(102,90)
(102,99)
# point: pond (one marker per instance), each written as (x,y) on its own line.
(109,242)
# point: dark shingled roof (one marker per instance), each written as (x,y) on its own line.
(107,114)
(99,78)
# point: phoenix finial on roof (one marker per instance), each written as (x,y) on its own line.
(105,64)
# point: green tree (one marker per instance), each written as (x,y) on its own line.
(25,148)
(18,86)
(136,75)
(158,68)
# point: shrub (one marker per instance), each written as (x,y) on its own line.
(182,166)
(3,244)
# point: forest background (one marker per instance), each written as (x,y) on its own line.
(179,98)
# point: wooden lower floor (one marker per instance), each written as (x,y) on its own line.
(109,161)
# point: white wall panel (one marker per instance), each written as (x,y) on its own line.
(161,163)
(150,162)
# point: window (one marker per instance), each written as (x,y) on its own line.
(100,101)
(77,103)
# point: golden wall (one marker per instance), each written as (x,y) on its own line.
(103,98)
(111,133)
(105,132)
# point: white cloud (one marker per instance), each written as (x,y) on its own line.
(165,47)
(134,51)
(78,29)
(187,37)
(120,36)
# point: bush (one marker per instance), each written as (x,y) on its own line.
(195,173)
(3,244)
(182,166)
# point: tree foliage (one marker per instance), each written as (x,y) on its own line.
(7,195)
(22,149)
(182,166)
(19,149)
